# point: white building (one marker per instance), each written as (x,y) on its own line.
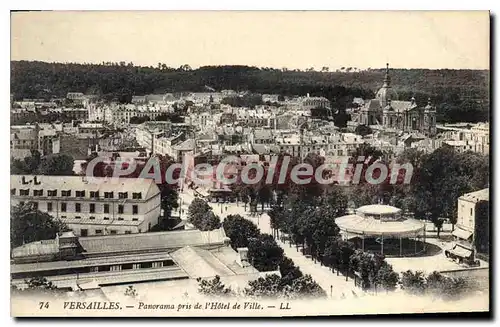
(92,206)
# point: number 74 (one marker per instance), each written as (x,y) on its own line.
(43,305)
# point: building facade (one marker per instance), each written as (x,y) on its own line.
(387,110)
(93,205)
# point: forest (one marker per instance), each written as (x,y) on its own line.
(460,95)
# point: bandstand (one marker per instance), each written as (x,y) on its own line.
(383,228)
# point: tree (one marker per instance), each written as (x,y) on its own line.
(264,253)
(210,221)
(40,283)
(288,271)
(239,230)
(197,211)
(363,130)
(28,166)
(413,282)
(57,165)
(28,224)
(387,278)
(270,286)
(131,292)
(306,287)
(213,287)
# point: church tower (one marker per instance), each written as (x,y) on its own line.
(386,93)
(429,124)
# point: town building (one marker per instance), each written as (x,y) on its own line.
(92,205)
(25,138)
(472,228)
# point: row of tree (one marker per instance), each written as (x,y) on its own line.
(266,255)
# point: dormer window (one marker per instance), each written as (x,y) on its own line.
(37,192)
(108,195)
(137,195)
(94,194)
(12,191)
(52,192)
(123,195)
(66,193)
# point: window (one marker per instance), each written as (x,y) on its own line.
(78,207)
(49,206)
(35,205)
(91,217)
(106,218)
(38,192)
(63,217)
(471,211)
(108,195)
(137,196)
(120,208)
(80,194)
(66,193)
(120,218)
(24,192)
(112,232)
(135,219)
(98,231)
(94,194)
(128,232)
(12,191)
(78,217)
(106,208)
(63,206)
(52,192)
(84,232)
(92,207)
(122,195)
(135,209)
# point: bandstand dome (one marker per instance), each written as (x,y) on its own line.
(379,220)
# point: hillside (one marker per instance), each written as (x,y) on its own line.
(459,94)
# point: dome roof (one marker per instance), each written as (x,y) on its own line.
(386,93)
(378,209)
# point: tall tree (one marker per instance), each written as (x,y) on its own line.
(264,253)
(239,230)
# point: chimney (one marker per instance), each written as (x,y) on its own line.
(242,259)
(308,95)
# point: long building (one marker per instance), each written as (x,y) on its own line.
(69,261)
(93,205)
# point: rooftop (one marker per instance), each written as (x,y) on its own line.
(481,195)
(378,209)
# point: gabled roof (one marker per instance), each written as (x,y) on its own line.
(198,262)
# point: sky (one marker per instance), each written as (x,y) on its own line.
(292,39)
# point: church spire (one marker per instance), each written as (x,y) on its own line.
(387,78)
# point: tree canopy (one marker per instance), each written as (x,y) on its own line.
(28,224)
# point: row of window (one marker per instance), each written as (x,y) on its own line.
(78,207)
(78,194)
(83,270)
(105,218)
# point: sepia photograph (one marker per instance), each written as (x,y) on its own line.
(249,163)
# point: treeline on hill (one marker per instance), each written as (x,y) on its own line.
(459,94)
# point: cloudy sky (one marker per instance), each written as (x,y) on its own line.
(291,39)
